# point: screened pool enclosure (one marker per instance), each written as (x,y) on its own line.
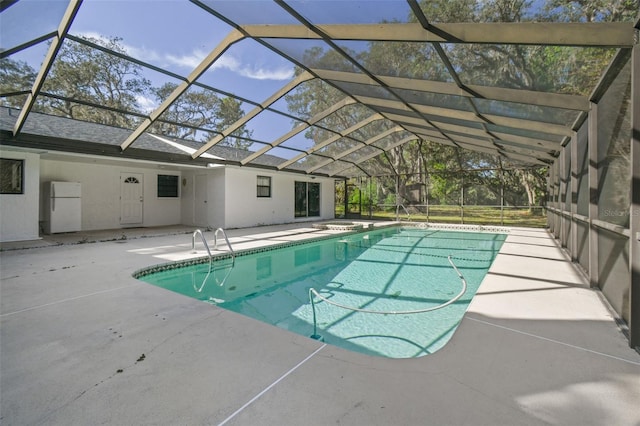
(413,105)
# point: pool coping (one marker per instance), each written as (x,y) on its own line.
(167,266)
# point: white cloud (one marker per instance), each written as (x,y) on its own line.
(143,54)
(228,62)
(191,60)
(263,74)
(233,64)
(146,104)
(91,34)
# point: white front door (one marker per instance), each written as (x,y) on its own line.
(131,198)
(200,207)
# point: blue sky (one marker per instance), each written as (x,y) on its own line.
(172,34)
(177,35)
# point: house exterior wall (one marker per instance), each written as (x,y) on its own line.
(244,208)
(19,212)
(187,194)
(217,200)
(230,193)
(101,193)
(194,210)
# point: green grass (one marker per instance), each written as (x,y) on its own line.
(477,215)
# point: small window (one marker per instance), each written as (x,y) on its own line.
(11,176)
(167,186)
(264,186)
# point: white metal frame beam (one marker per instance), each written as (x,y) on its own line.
(321,115)
(54,48)
(547,99)
(363,159)
(304,76)
(233,37)
(609,34)
(368,142)
(332,139)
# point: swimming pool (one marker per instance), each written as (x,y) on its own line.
(391,270)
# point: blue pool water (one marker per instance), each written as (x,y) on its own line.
(390,270)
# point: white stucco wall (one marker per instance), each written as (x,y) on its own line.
(187,192)
(244,208)
(212,211)
(232,201)
(19,212)
(101,192)
(217,199)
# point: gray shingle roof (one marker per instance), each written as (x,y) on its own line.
(94,136)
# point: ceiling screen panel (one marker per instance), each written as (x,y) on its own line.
(313,54)
(539,113)
(533,68)
(352,11)
(25,21)
(193,35)
(250,12)
(249,70)
(404,59)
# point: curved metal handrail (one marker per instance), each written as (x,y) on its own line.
(193,250)
(204,241)
(405,210)
(204,282)
(215,244)
(211,269)
(229,269)
(313,291)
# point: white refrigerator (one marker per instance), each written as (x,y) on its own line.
(63,209)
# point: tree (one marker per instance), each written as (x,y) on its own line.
(15,77)
(192,110)
(230,111)
(535,68)
(89,84)
(96,79)
(199,114)
(591,10)
(534,182)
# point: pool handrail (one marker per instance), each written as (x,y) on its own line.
(206,245)
(313,291)
(215,244)
(204,241)
(228,268)
(193,250)
(405,210)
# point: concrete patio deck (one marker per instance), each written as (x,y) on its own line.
(84,343)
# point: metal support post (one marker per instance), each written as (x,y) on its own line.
(594,275)
(634,221)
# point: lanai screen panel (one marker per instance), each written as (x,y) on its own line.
(222,76)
